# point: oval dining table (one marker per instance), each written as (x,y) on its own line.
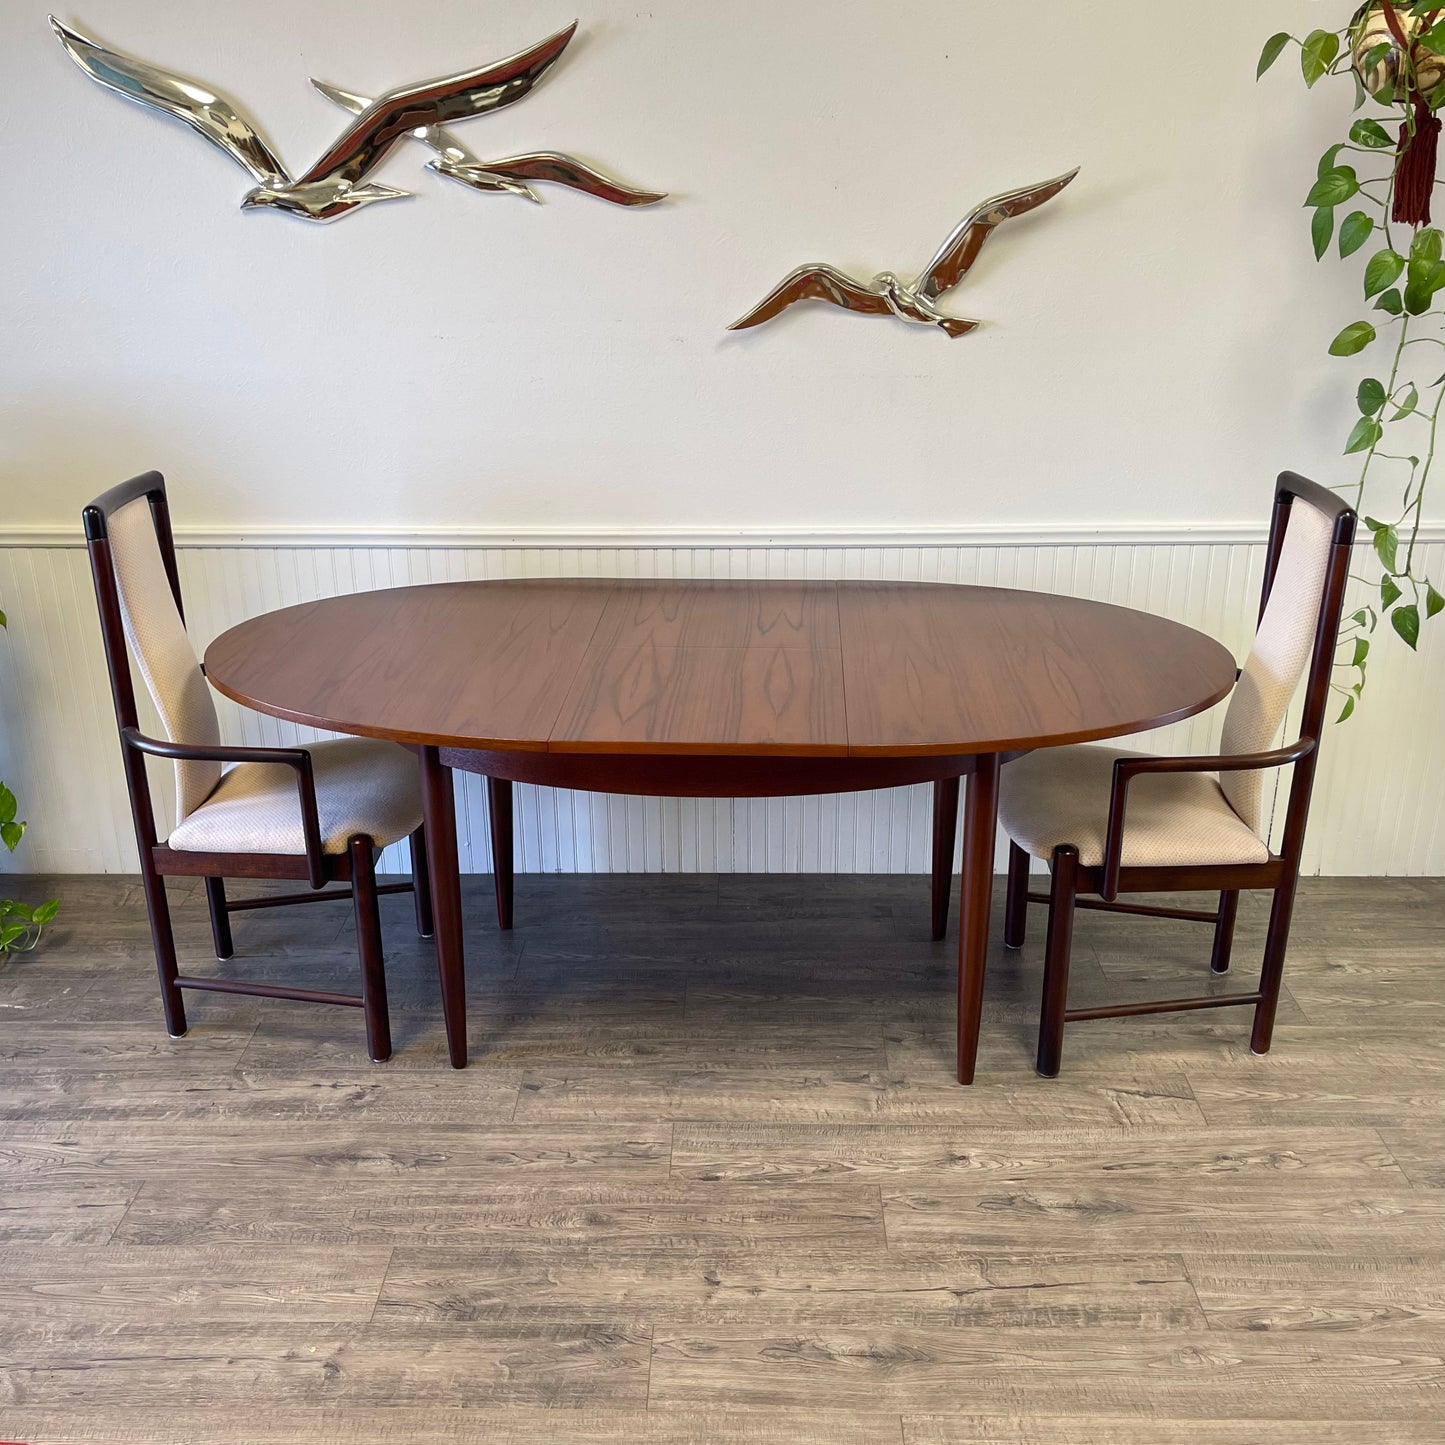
(722,689)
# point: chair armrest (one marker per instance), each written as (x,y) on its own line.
(296,758)
(1127,769)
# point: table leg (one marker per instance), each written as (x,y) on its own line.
(440,810)
(945,840)
(980,828)
(499,813)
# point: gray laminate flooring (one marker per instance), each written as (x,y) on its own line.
(709,1181)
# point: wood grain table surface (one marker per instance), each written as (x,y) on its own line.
(720,688)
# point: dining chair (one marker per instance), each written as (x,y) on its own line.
(317,814)
(1112,822)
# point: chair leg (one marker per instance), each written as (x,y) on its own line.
(1056,961)
(1224,931)
(499,813)
(421,884)
(945,840)
(164,942)
(1272,975)
(368,945)
(1016,903)
(220,918)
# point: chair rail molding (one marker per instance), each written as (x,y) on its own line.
(1068,534)
(1379,795)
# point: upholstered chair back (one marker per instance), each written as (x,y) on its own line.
(162,651)
(1281,652)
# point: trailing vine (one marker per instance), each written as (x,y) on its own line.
(1394,51)
(20,925)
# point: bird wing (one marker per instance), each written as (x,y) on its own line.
(820,283)
(346,99)
(368,139)
(957,254)
(218,120)
(569,171)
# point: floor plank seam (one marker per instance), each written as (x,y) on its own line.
(1391,1156)
(241,1057)
(381,1288)
(1194,1290)
(110,1238)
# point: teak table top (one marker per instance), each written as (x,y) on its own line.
(721,668)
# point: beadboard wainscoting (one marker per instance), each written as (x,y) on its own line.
(1378,799)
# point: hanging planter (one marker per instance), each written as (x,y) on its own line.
(1392,63)
(1373,189)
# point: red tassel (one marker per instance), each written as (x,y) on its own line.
(1415,175)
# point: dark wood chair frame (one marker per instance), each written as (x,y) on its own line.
(357,866)
(1280,873)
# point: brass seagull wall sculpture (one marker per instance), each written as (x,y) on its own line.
(510,174)
(886,295)
(336,184)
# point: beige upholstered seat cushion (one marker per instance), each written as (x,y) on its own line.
(362,786)
(1061,795)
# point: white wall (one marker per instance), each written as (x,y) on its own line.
(472,367)
(1156,337)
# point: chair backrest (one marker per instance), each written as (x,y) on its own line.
(133,561)
(1305,573)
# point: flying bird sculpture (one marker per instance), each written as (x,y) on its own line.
(337,183)
(510,174)
(886,295)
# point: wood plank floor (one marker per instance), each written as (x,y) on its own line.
(709,1181)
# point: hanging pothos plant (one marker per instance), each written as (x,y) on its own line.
(1394,52)
(20,925)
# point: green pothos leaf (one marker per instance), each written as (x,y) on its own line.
(1273,49)
(1371,396)
(1433,39)
(1355,230)
(1389,592)
(1318,53)
(1406,621)
(1387,544)
(1322,230)
(1366,434)
(1334,187)
(1408,403)
(1391,301)
(1383,270)
(1434,602)
(1372,134)
(1428,244)
(1354,338)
